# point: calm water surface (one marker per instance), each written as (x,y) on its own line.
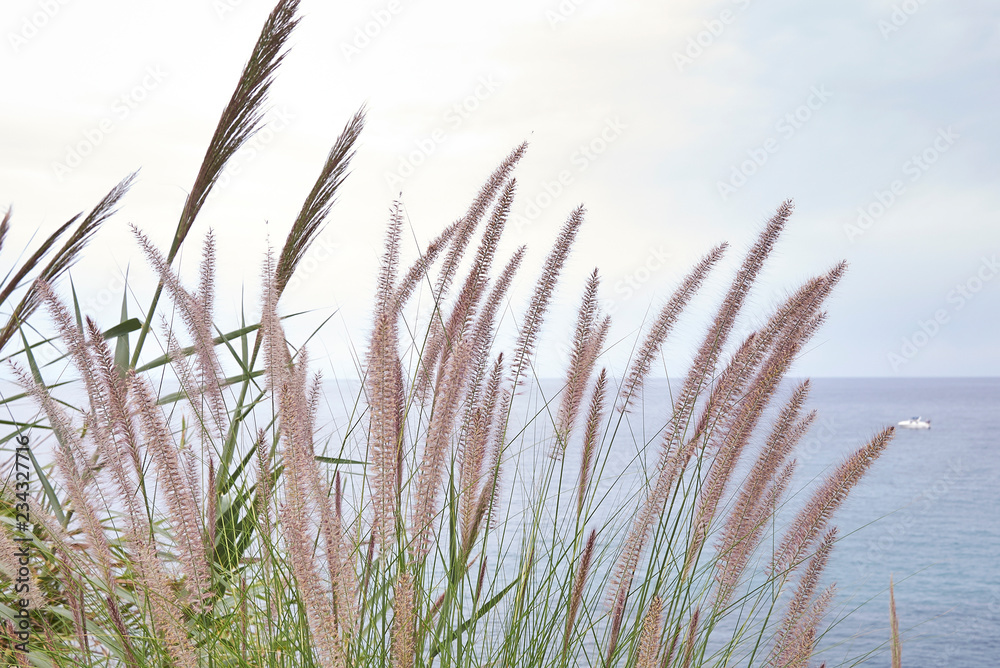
(928,513)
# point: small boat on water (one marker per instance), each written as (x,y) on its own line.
(915,423)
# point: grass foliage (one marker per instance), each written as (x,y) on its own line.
(467,516)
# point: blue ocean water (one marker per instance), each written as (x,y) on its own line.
(928,513)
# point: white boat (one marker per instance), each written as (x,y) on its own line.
(915,423)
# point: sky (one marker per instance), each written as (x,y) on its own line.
(678,125)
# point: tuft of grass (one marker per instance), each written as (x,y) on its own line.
(59,262)
(895,643)
(239,122)
(467,516)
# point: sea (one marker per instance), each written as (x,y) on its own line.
(927,514)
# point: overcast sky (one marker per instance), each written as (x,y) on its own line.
(678,125)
